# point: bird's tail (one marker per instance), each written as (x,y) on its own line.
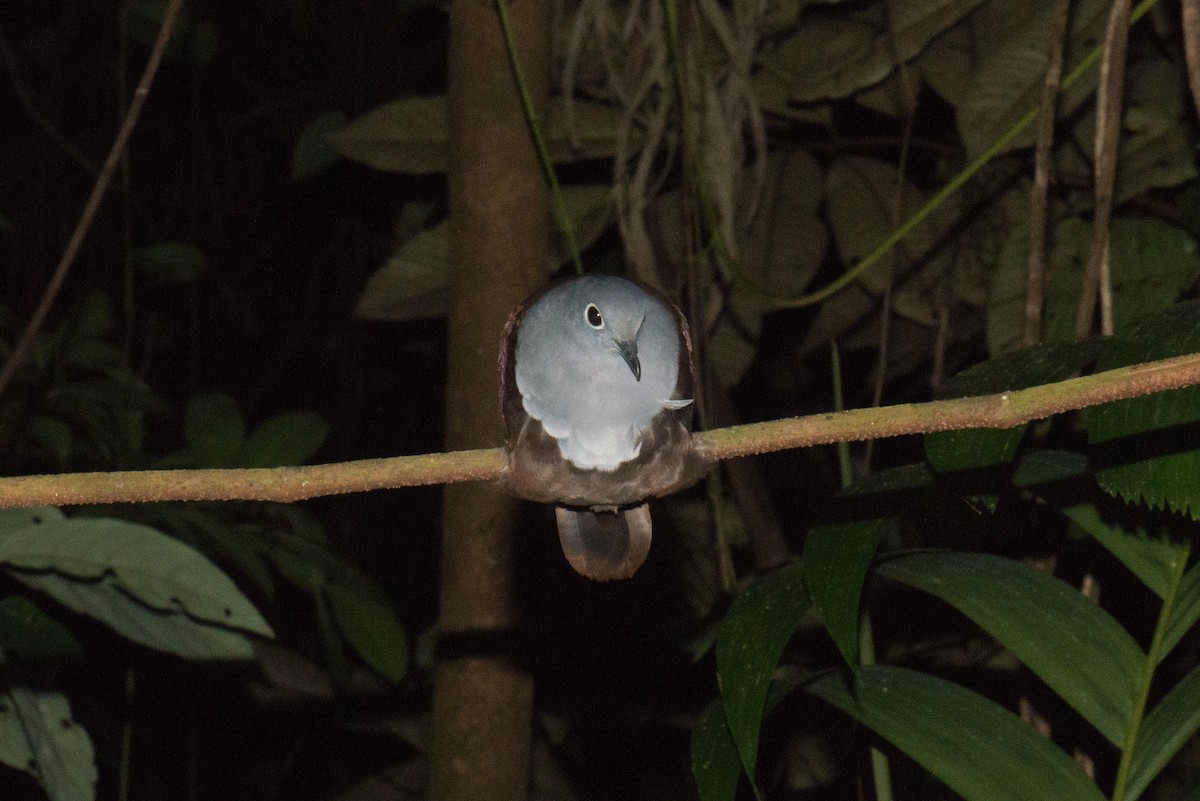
(605,545)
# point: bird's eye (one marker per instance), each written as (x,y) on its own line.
(592,315)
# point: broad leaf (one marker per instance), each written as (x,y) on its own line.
(1149,555)
(38,736)
(312,152)
(147,586)
(1164,731)
(1012,41)
(409,135)
(1147,449)
(755,631)
(284,440)
(1048,624)
(868,53)
(976,747)
(213,430)
(31,635)
(366,620)
(715,763)
(836,559)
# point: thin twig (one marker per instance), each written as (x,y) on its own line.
(1005,410)
(1191,47)
(92,206)
(1039,196)
(1108,131)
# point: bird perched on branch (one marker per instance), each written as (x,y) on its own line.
(596,389)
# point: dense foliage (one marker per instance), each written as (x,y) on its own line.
(263,288)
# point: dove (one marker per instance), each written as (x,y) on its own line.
(596,390)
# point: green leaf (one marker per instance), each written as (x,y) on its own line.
(1048,624)
(836,559)
(145,585)
(53,435)
(972,449)
(1186,610)
(1038,467)
(367,622)
(1164,731)
(715,761)
(1149,555)
(213,430)
(39,737)
(976,747)
(1147,449)
(238,546)
(756,629)
(284,440)
(31,634)
(313,152)
(171,262)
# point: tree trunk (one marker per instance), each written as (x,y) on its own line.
(481,718)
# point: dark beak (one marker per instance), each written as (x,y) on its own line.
(628,351)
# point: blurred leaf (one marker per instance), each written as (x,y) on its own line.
(171,262)
(977,448)
(861,208)
(213,430)
(945,65)
(1039,466)
(409,135)
(1012,43)
(1049,625)
(95,318)
(313,152)
(53,435)
(31,634)
(239,548)
(302,523)
(284,440)
(757,627)
(1164,731)
(1006,300)
(412,284)
(715,763)
(860,56)
(836,559)
(1152,263)
(39,736)
(365,618)
(976,747)
(194,40)
(145,585)
(1147,449)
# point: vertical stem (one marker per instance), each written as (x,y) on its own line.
(1149,665)
(881,774)
(482,709)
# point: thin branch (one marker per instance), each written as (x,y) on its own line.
(1004,410)
(1039,200)
(1108,130)
(92,206)
(1191,47)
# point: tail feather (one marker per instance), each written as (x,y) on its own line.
(605,545)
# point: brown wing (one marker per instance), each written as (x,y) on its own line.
(511,409)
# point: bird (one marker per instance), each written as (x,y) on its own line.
(596,391)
